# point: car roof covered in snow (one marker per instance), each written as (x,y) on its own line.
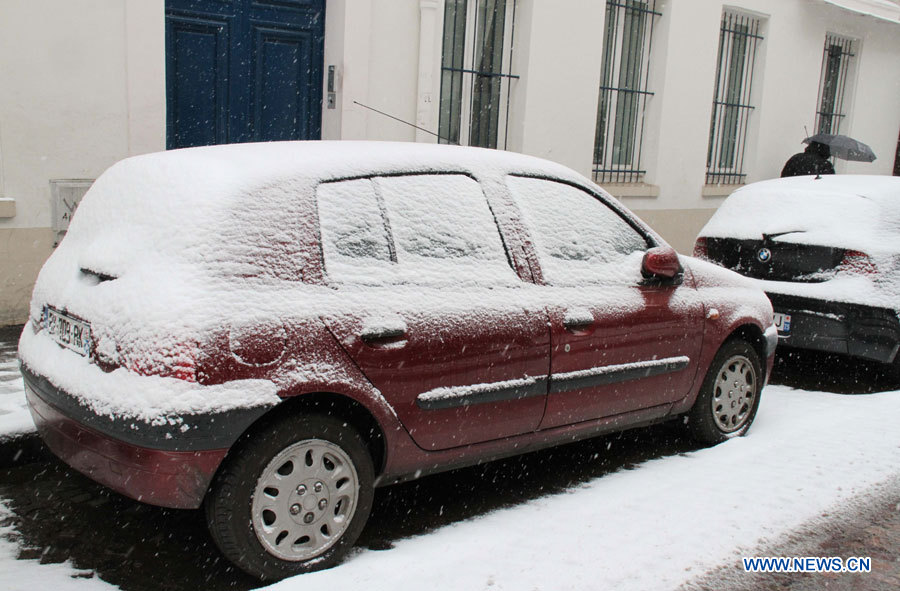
(193,200)
(248,164)
(849,211)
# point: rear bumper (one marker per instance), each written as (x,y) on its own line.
(834,327)
(175,479)
(142,461)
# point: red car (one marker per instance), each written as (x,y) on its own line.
(271,331)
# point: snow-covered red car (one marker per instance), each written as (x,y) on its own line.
(827,252)
(271,331)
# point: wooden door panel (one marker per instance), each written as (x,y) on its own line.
(243,70)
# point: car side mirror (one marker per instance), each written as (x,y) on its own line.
(661,262)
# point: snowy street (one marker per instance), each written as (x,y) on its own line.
(645,509)
(14,417)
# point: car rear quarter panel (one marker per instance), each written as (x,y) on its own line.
(302,357)
(733,306)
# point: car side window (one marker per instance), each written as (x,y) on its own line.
(443,229)
(578,237)
(429,228)
(356,243)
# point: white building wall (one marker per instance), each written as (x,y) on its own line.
(374,46)
(557,57)
(82,87)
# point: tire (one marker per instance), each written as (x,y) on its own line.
(721,412)
(293,498)
(893,370)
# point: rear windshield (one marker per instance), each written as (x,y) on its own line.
(202,218)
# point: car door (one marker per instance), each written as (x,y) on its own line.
(431,310)
(619,342)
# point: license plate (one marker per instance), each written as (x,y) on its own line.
(783,322)
(69,332)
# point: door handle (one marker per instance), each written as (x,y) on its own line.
(381,334)
(390,330)
(578,319)
(580,323)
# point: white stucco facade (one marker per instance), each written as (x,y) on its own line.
(83,85)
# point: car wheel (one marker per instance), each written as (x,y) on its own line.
(293,498)
(729,396)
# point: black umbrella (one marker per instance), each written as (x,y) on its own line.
(843,147)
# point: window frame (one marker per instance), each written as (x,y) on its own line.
(465,74)
(616,95)
(726,150)
(841,87)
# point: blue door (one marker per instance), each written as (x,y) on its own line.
(243,71)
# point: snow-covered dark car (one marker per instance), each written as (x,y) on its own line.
(826,251)
(271,331)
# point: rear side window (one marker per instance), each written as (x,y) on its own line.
(354,231)
(411,229)
(578,237)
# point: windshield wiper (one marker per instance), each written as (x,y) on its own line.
(100,276)
(767,237)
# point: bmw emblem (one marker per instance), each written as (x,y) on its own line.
(764,255)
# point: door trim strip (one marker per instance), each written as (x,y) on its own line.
(527,387)
(612,374)
(456,396)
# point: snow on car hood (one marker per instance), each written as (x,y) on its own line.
(851,212)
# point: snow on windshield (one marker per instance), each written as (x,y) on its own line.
(579,238)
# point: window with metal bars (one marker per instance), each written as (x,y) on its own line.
(837,59)
(475,72)
(627,40)
(739,40)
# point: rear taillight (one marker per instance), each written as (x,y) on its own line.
(180,362)
(700,250)
(185,366)
(857,263)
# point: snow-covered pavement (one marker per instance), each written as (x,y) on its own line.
(656,526)
(14,416)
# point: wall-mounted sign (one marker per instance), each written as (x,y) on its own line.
(65,195)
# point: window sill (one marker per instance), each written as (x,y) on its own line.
(719,190)
(7,207)
(620,190)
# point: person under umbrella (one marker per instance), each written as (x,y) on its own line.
(813,160)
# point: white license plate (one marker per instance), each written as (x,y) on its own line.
(67,331)
(783,322)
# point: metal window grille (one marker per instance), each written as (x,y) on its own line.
(475,76)
(836,62)
(738,41)
(627,40)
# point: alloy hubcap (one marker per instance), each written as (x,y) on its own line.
(734,394)
(304,500)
